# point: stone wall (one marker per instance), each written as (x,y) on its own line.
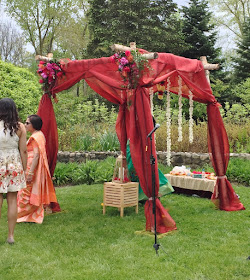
(177,159)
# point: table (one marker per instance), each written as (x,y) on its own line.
(191,184)
(120,195)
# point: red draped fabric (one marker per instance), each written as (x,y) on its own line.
(134,119)
(49,129)
(224,195)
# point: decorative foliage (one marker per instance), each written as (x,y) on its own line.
(49,72)
(168,115)
(180,109)
(131,65)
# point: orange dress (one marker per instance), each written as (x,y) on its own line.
(40,191)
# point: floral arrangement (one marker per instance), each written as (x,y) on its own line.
(49,72)
(131,65)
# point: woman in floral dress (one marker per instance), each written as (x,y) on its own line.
(13,160)
(40,191)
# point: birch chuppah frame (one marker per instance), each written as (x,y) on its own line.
(134,119)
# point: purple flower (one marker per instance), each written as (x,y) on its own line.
(49,66)
(123,61)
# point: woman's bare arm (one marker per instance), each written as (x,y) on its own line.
(33,164)
(22,145)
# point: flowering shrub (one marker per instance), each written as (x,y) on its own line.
(49,72)
(131,65)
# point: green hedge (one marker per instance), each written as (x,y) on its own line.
(102,171)
(22,86)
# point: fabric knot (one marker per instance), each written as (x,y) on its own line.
(222,177)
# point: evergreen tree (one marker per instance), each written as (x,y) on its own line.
(199,32)
(153,25)
(242,67)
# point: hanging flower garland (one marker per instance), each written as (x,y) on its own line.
(168,115)
(131,65)
(180,109)
(49,72)
(151,96)
(191,121)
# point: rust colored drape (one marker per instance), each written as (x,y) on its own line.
(49,129)
(134,119)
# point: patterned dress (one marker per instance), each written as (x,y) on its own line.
(12,177)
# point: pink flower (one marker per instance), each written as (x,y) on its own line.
(59,74)
(123,61)
(3,169)
(44,76)
(41,81)
(41,62)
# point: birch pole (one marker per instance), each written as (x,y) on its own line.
(207,66)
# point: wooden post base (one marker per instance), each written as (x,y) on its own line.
(120,196)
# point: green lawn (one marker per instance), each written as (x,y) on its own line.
(81,243)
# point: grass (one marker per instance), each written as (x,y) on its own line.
(81,243)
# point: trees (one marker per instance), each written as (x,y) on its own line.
(242,62)
(12,44)
(199,32)
(232,14)
(40,20)
(153,25)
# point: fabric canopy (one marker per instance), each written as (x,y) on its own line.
(134,119)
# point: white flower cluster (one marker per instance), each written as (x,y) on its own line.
(191,121)
(168,115)
(180,109)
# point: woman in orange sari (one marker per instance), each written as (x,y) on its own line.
(40,190)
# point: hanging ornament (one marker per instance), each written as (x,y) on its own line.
(191,121)
(168,115)
(180,109)
(161,89)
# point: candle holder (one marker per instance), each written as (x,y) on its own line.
(121,174)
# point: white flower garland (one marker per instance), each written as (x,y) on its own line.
(151,96)
(180,109)
(168,115)
(191,121)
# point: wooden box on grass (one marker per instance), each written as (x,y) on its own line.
(120,195)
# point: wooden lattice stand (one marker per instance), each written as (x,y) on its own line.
(120,196)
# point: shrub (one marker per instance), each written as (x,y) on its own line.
(22,86)
(109,141)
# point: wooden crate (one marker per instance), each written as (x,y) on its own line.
(120,195)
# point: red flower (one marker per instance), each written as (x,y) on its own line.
(41,81)
(126,69)
(127,53)
(59,74)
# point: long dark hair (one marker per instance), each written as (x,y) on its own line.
(9,115)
